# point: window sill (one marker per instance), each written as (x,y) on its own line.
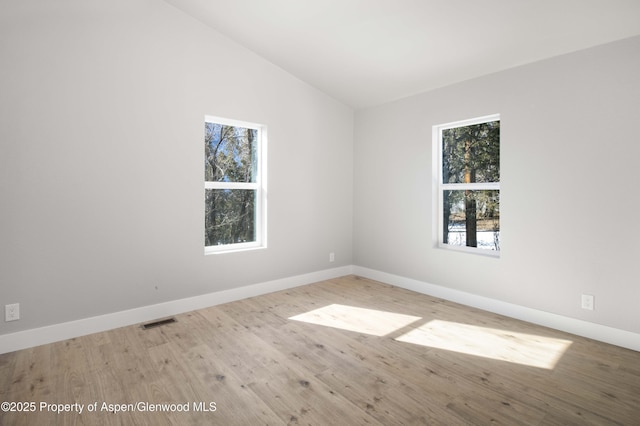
(236,248)
(471,250)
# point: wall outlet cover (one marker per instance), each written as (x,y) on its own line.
(12,312)
(587,302)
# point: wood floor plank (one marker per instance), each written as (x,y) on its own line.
(216,379)
(304,399)
(7,367)
(343,351)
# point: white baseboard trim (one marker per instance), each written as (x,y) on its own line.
(602,333)
(57,332)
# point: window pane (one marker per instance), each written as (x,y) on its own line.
(471,153)
(230,153)
(472,219)
(229,216)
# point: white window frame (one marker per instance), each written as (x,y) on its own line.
(260,186)
(439,187)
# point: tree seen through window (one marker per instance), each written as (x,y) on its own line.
(231,190)
(470,185)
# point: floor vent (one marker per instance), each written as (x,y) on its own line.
(158,323)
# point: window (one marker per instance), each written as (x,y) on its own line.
(467,157)
(235,191)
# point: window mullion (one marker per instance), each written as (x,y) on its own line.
(231,185)
(470,186)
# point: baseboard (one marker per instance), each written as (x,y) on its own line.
(57,332)
(602,333)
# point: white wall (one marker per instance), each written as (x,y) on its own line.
(101,165)
(569,158)
(101,139)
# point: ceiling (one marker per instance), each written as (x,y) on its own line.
(368,52)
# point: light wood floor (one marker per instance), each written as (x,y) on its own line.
(377,360)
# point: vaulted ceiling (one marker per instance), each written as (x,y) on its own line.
(367,52)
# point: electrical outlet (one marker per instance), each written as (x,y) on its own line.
(332,257)
(587,302)
(12,312)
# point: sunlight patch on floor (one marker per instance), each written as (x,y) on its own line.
(360,320)
(503,345)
